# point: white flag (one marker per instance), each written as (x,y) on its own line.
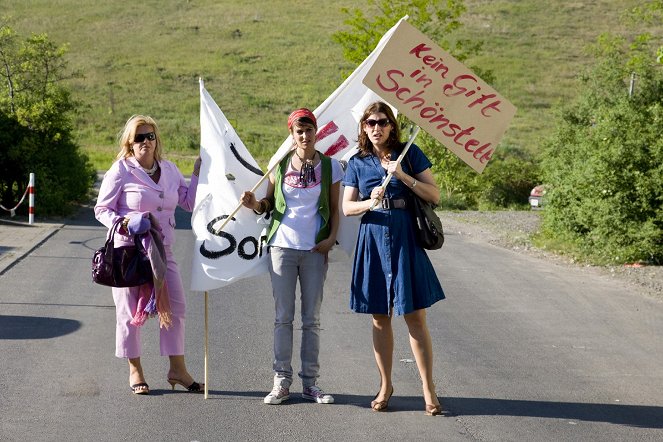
(227,170)
(338,125)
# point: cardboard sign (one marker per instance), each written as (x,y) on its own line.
(440,95)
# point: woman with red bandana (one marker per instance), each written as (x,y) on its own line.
(302,195)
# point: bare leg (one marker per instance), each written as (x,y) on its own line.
(422,348)
(136,374)
(383,347)
(178,371)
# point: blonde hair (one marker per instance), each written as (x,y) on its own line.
(126,137)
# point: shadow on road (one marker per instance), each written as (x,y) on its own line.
(35,327)
(642,416)
(645,416)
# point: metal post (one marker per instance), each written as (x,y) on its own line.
(31,199)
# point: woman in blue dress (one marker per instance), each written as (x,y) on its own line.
(391,273)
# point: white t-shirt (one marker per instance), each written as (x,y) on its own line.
(301,220)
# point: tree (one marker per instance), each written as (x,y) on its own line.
(35,118)
(438,19)
(604,164)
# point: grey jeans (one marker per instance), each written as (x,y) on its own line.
(286,267)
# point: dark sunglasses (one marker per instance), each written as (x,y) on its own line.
(139,138)
(383,122)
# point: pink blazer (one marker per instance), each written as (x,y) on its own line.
(127,189)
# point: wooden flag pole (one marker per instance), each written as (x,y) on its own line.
(240,205)
(386,180)
(206,347)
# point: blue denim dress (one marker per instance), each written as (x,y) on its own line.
(389,267)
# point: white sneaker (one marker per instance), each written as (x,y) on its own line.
(315,394)
(277,395)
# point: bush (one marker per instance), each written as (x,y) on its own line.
(604,165)
(507,181)
(504,184)
(35,127)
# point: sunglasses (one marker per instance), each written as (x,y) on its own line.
(139,138)
(383,122)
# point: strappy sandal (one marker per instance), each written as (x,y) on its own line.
(381,405)
(433,410)
(140,388)
(195,387)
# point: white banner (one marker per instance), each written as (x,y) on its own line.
(338,127)
(227,170)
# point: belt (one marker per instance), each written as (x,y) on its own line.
(389,203)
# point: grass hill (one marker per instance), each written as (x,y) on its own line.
(262,59)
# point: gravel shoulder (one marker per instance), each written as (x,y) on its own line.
(513,230)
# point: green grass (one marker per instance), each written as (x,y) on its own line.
(262,59)
(536,50)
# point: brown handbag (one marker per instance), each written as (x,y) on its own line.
(124,266)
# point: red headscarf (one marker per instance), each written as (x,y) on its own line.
(301,113)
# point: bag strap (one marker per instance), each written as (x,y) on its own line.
(411,171)
(110,236)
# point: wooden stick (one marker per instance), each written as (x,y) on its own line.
(240,205)
(386,180)
(206,348)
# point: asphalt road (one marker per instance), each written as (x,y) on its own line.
(524,351)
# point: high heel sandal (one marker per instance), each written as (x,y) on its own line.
(140,388)
(433,410)
(381,405)
(195,387)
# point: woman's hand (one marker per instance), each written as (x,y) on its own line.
(324,246)
(377,193)
(394,168)
(196,166)
(248,199)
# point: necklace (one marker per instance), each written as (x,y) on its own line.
(307,172)
(152,170)
(384,158)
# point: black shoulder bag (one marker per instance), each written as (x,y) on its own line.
(427,225)
(124,266)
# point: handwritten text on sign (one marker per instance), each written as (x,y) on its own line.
(441,95)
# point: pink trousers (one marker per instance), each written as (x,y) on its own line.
(127,336)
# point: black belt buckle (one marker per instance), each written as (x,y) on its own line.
(385,203)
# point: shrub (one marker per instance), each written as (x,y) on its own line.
(603,167)
(507,181)
(35,127)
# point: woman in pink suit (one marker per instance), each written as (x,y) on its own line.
(141,183)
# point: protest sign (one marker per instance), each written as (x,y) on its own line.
(441,95)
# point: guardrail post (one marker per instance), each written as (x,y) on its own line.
(31,199)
